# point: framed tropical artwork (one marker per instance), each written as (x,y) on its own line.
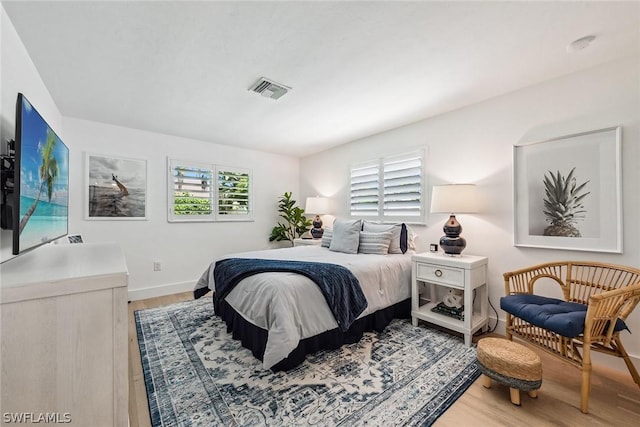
(116,188)
(567,192)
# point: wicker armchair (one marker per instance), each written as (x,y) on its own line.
(610,293)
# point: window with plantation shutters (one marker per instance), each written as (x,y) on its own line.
(233,193)
(364,190)
(205,192)
(191,194)
(389,188)
(402,187)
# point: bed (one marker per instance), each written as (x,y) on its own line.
(283,316)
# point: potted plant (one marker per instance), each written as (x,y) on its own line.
(295,223)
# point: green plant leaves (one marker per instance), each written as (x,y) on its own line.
(295,223)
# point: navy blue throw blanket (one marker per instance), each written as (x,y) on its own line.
(339,286)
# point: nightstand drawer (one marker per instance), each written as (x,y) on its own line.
(438,274)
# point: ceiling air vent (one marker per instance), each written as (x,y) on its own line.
(269,88)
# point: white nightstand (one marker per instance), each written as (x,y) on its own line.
(433,274)
(307,242)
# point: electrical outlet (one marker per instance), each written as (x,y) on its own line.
(157,266)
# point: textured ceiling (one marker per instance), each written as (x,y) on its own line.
(356,68)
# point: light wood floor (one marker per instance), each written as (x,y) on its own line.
(615,399)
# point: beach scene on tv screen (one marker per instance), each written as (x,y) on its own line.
(44,181)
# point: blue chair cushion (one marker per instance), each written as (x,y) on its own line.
(562,317)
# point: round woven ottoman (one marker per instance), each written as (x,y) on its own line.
(511,364)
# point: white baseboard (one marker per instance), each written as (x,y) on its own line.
(597,358)
(159,291)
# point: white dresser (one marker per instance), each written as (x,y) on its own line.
(64,336)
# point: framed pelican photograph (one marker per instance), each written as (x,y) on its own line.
(567,192)
(116,188)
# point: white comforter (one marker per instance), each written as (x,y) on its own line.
(291,307)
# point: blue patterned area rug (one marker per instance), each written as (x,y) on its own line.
(197,375)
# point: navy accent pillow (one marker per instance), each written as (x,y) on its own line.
(403,238)
(562,317)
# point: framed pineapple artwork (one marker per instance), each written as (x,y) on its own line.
(567,192)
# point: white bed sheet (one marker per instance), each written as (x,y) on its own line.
(291,307)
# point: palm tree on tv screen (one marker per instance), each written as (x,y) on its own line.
(49,171)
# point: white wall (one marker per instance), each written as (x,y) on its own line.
(18,74)
(184,249)
(474,145)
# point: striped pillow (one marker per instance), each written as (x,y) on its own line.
(399,243)
(374,243)
(327,235)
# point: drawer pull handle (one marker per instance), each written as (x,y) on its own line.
(438,273)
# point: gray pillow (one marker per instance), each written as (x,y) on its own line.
(346,236)
(374,243)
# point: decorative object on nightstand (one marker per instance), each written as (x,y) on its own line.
(451,304)
(317,206)
(453,198)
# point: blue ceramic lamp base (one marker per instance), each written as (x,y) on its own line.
(317,231)
(451,243)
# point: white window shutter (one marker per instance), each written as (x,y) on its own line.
(206,192)
(402,183)
(365,190)
(191,191)
(389,189)
(234,194)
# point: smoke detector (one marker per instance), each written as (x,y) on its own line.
(269,88)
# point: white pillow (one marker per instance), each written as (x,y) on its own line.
(346,236)
(374,243)
(395,245)
(327,235)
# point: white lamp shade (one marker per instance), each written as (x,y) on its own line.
(317,206)
(454,198)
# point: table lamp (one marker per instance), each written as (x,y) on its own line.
(317,206)
(452,199)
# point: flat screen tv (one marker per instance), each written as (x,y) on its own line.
(41,187)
